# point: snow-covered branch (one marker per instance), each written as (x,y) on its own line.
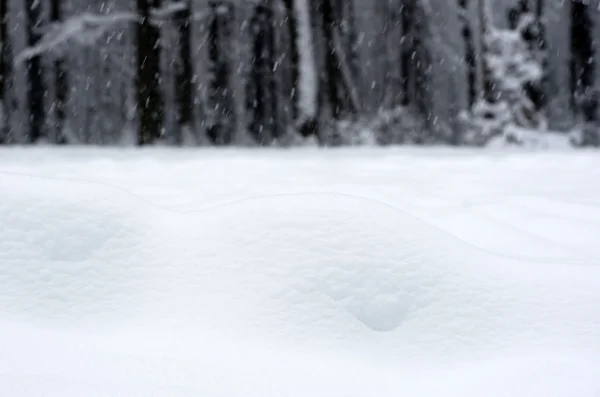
(87,28)
(169,11)
(84,29)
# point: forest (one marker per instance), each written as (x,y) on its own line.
(298,72)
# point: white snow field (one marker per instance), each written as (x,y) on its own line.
(302,273)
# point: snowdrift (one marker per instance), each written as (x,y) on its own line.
(103,293)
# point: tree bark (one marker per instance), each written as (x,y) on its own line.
(470,59)
(339,83)
(490,93)
(292,27)
(60,82)
(408,49)
(221,127)
(150,104)
(331,66)
(5,72)
(582,51)
(36,88)
(184,76)
(263,106)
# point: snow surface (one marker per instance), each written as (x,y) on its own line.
(348,273)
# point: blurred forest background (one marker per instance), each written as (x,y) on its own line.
(298,72)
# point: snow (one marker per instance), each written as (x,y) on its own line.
(299,273)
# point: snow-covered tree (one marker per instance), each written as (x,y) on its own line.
(282,72)
(304,77)
(512,75)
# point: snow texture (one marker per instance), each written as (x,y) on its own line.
(305,273)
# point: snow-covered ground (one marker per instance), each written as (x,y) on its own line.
(346,273)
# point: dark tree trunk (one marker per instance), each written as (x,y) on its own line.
(347,27)
(337,85)
(150,104)
(3,43)
(36,89)
(539,10)
(331,68)
(539,94)
(263,106)
(421,65)
(221,126)
(5,72)
(490,91)
(408,49)
(292,27)
(60,81)
(470,60)
(584,64)
(185,71)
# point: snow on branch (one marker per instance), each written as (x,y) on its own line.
(171,10)
(83,29)
(87,28)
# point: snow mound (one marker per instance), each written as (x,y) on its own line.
(67,250)
(347,272)
(318,284)
(317,268)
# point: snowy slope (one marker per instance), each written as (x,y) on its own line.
(346,273)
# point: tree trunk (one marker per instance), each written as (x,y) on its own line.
(583,60)
(539,94)
(470,60)
(262,101)
(421,65)
(60,82)
(305,87)
(292,27)
(408,49)
(222,118)
(349,40)
(489,93)
(150,105)
(332,65)
(5,73)
(35,89)
(3,45)
(185,72)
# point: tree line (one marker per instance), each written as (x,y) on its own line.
(291,72)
